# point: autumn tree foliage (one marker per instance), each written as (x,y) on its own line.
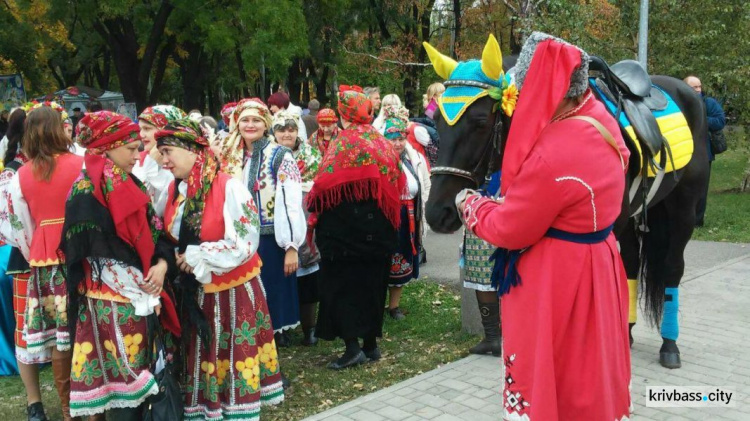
(200,54)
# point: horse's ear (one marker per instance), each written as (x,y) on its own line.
(492,59)
(443,64)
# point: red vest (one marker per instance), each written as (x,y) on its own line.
(212,229)
(46,200)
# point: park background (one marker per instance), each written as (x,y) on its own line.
(201,54)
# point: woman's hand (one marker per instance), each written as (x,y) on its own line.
(155,155)
(154,280)
(291,261)
(182,264)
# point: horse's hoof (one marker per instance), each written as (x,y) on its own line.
(630,333)
(670,360)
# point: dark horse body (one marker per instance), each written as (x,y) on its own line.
(670,216)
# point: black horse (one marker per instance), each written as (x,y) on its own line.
(474,145)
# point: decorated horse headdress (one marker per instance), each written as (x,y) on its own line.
(470,80)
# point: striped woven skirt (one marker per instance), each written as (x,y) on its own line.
(237,372)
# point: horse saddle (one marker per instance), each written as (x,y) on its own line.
(628,85)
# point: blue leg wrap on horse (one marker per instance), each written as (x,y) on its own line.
(670,327)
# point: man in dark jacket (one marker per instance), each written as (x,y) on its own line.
(716,122)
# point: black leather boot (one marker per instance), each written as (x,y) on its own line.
(126,414)
(35,412)
(490,313)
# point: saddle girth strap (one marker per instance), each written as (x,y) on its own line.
(604,132)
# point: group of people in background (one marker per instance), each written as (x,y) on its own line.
(174,241)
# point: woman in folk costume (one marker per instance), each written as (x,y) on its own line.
(226,117)
(34,223)
(232,364)
(18,267)
(405,260)
(356,203)
(285,125)
(565,319)
(116,259)
(149,169)
(270,172)
(327,130)
(390,106)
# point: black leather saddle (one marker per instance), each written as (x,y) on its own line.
(629,86)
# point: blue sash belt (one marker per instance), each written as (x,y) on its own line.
(503,279)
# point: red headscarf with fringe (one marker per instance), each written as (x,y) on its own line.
(359,164)
(545,86)
(129,205)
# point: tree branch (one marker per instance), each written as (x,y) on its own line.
(161,67)
(154,40)
(58,78)
(374,57)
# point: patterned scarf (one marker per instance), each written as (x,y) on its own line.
(326,116)
(233,146)
(319,141)
(125,200)
(187,134)
(100,132)
(395,128)
(161,115)
(359,165)
(354,106)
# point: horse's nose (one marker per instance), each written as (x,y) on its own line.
(443,219)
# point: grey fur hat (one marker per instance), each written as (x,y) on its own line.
(579,78)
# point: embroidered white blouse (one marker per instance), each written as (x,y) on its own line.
(241,233)
(153,176)
(17,229)
(289,224)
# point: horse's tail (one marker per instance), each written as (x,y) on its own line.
(654,243)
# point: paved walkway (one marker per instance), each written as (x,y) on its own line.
(714,340)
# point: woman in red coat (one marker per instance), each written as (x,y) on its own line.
(565,315)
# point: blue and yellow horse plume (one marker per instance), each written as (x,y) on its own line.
(468,81)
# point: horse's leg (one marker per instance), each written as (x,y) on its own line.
(680,206)
(629,248)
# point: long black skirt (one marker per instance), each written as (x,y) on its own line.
(352,296)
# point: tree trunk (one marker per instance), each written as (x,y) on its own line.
(134,69)
(193,73)
(294,75)
(456,28)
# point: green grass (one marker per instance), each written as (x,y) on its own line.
(428,338)
(728,210)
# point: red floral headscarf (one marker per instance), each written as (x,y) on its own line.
(327,116)
(226,112)
(104,130)
(354,106)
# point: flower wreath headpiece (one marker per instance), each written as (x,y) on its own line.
(33,105)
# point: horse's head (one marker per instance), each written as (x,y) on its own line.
(473,123)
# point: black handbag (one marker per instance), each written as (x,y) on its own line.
(718,141)
(168,404)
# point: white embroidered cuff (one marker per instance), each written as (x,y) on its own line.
(200,270)
(144,305)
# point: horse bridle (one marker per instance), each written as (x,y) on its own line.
(494,143)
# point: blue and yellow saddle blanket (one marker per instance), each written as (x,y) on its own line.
(672,123)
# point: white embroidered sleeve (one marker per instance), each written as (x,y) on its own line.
(289,222)
(241,237)
(16,223)
(127,281)
(155,177)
